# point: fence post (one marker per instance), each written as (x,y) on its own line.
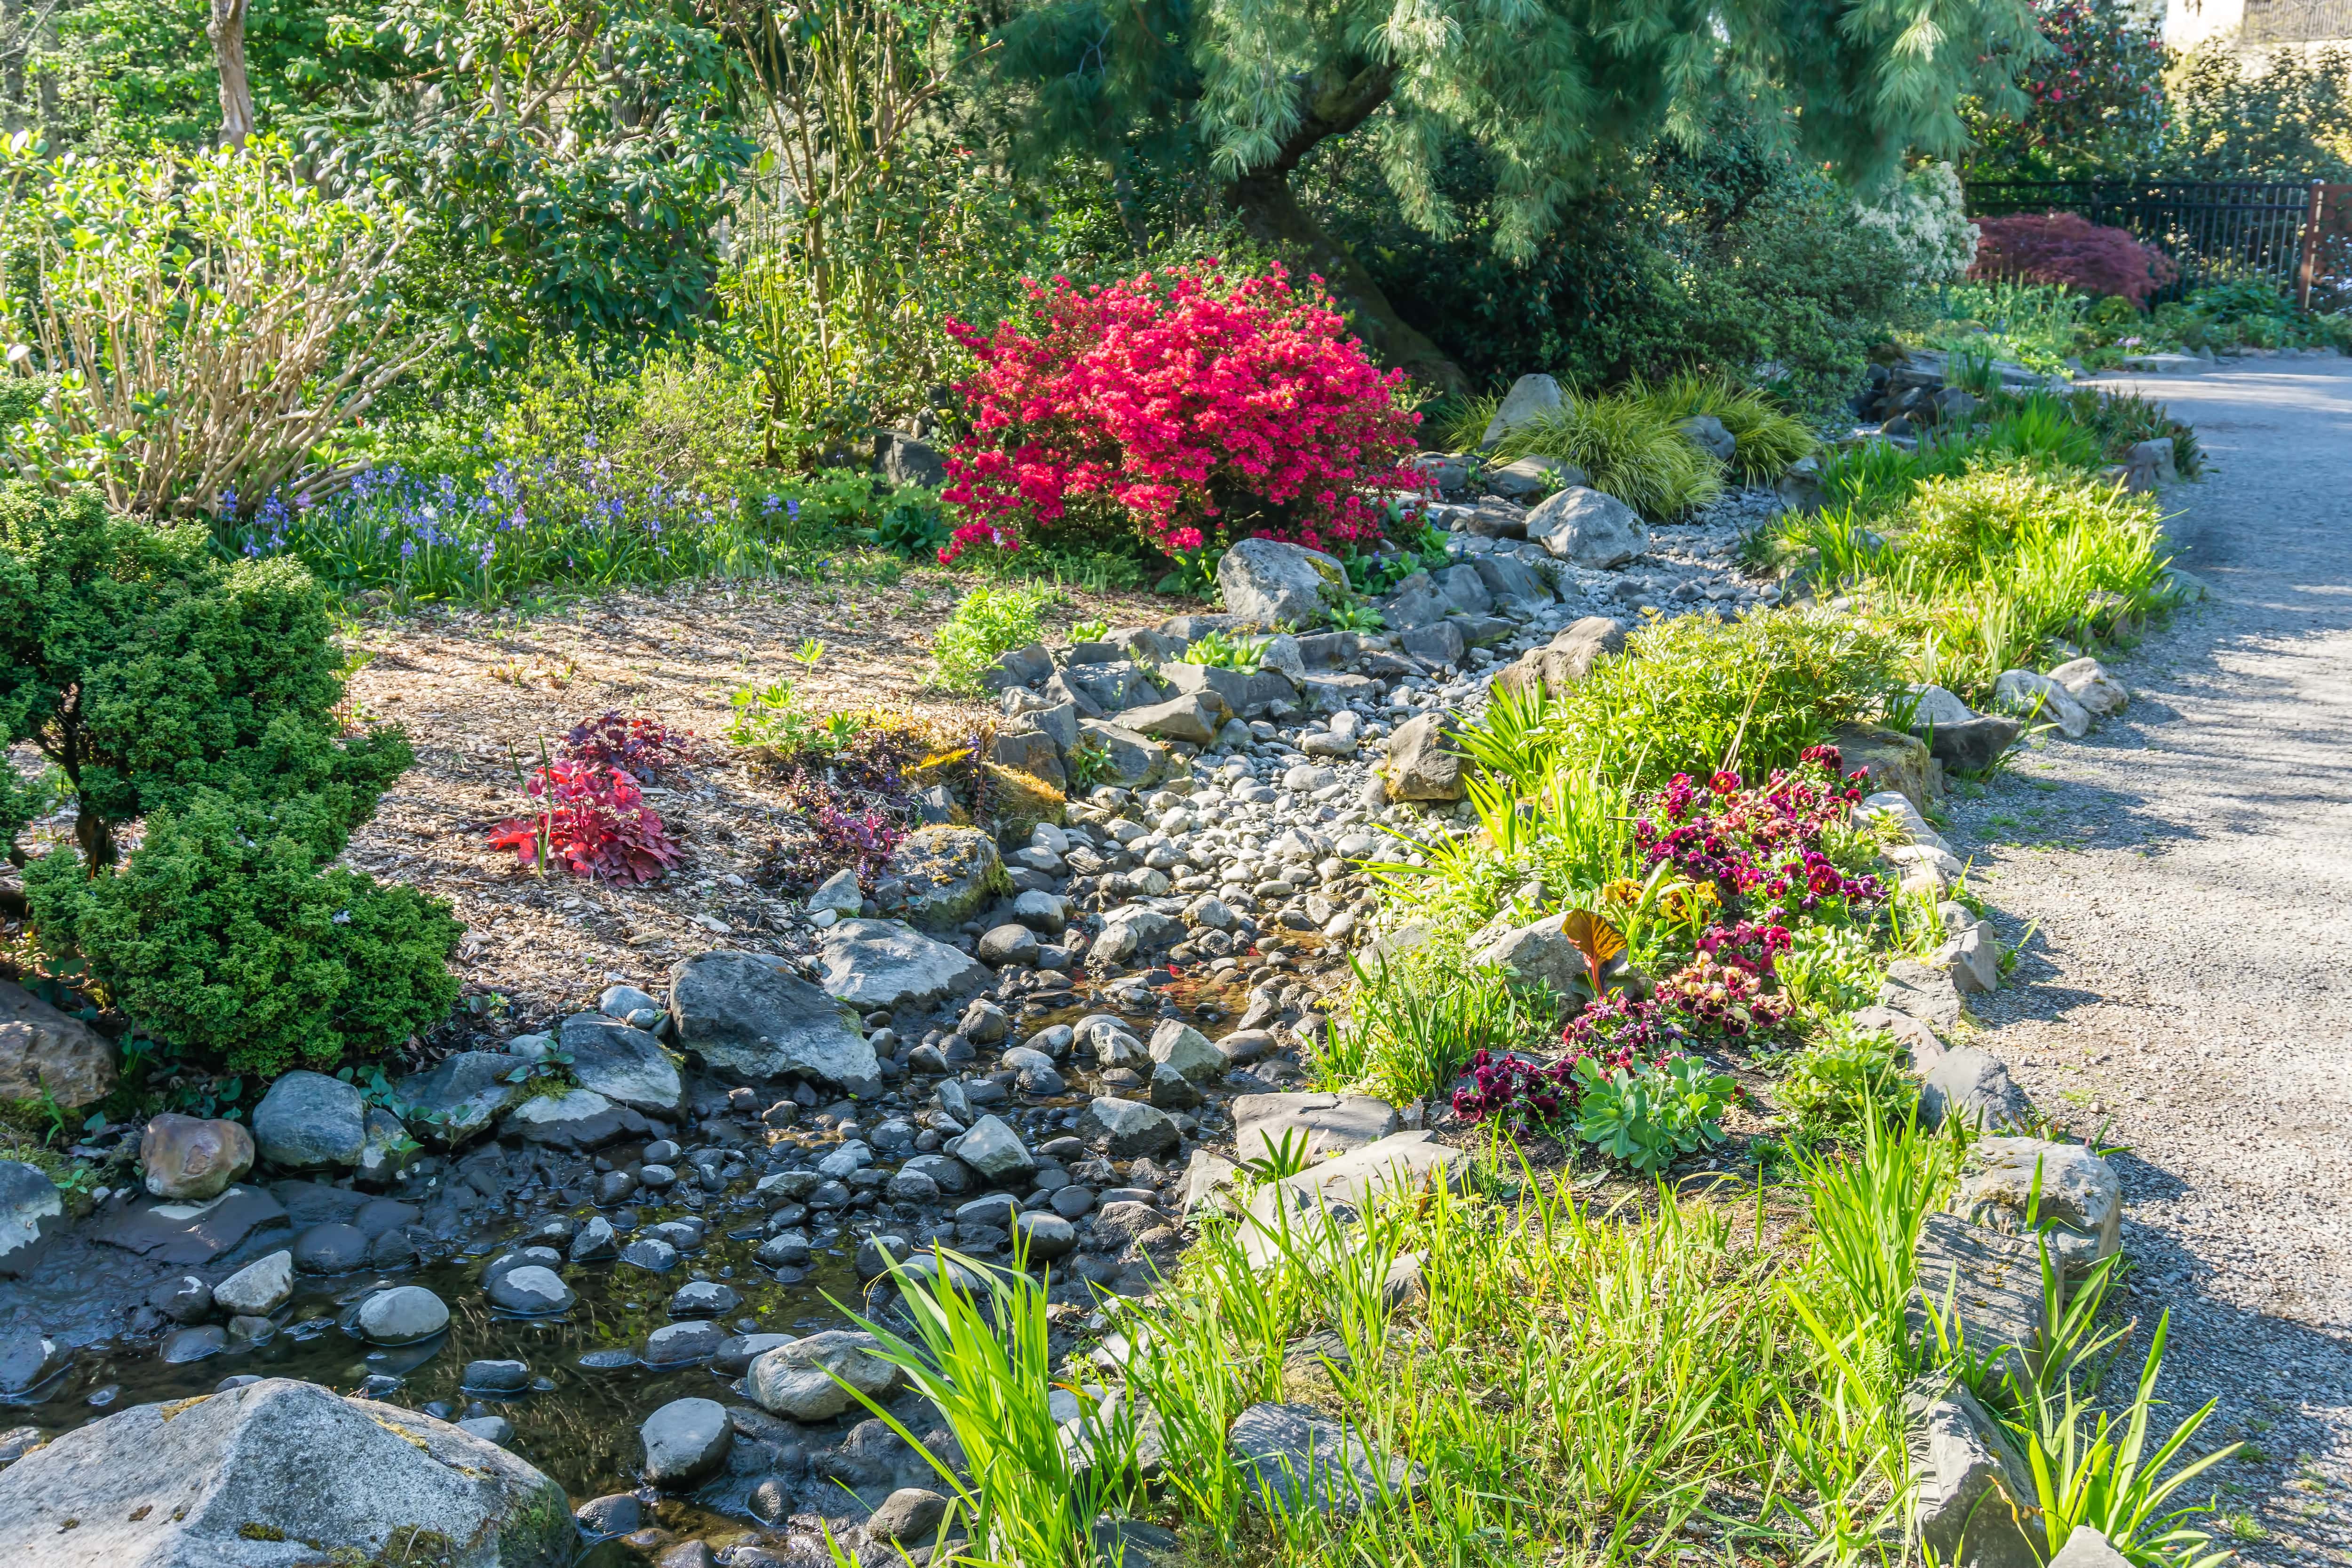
(2309,265)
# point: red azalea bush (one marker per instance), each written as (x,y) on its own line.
(2070,251)
(1187,405)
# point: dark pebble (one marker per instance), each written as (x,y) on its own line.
(330,1249)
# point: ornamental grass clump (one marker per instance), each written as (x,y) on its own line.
(1186,407)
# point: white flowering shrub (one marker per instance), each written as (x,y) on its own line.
(1925,217)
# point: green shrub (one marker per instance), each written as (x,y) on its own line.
(225,935)
(1628,445)
(1834,1084)
(986,623)
(1688,694)
(146,668)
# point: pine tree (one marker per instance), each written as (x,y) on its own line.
(1556,93)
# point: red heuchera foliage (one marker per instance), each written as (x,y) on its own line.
(644,747)
(596,825)
(1529,1090)
(2070,251)
(1188,403)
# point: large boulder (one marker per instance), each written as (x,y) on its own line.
(1421,765)
(1975,1087)
(31,1211)
(1176,1044)
(1322,1124)
(43,1051)
(1538,955)
(462,1095)
(1588,528)
(1292,1211)
(1266,581)
(751,1019)
(2029,695)
(883,966)
(1529,398)
(307,1120)
(1194,718)
(799,1380)
(1516,587)
(2086,680)
(192,1159)
(1891,759)
(2071,1194)
(1567,658)
(1966,1478)
(1293,1457)
(948,874)
(627,1066)
(1973,744)
(1123,757)
(220,1481)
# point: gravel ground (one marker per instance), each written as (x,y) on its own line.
(2185,875)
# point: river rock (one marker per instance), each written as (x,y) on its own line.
(1129,1126)
(883,966)
(2086,1547)
(1176,1044)
(1345,1184)
(1264,582)
(1538,954)
(307,1120)
(31,1211)
(402,1315)
(947,872)
(1588,528)
(685,1441)
(464,1095)
(994,1150)
(1296,1458)
(259,1287)
(1009,944)
(791,1380)
(1972,745)
(1046,1235)
(751,1019)
(2081,1203)
(533,1290)
(193,1158)
(179,1484)
(45,1050)
(910,1515)
(1420,765)
(576,1119)
(627,1066)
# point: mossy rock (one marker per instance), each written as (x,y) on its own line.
(1017,802)
(949,873)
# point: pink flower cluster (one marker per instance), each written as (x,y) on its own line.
(1186,404)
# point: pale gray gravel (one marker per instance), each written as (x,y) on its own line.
(2186,873)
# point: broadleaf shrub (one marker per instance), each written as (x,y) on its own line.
(2070,251)
(225,936)
(985,623)
(1188,405)
(594,823)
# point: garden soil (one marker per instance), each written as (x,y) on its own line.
(2181,884)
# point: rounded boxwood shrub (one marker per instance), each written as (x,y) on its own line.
(223,934)
(145,667)
(200,694)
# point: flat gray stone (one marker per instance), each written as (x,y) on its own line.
(1294,1457)
(1985,1286)
(793,1380)
(1327,1124)
(402,1315)
(1130,1127)
(1966,1477)
(577,1119)
(627,1066)
(1974,1086)
(462,1095)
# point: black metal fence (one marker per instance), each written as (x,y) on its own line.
(2295,234)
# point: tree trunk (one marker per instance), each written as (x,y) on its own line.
(226,31)
(1269,211)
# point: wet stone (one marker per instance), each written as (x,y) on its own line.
(497,1376)
(677,1344)
(704,1299)
(330,1249)
(183,1345)
(654,1256)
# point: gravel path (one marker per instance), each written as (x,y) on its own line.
(2186,874)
